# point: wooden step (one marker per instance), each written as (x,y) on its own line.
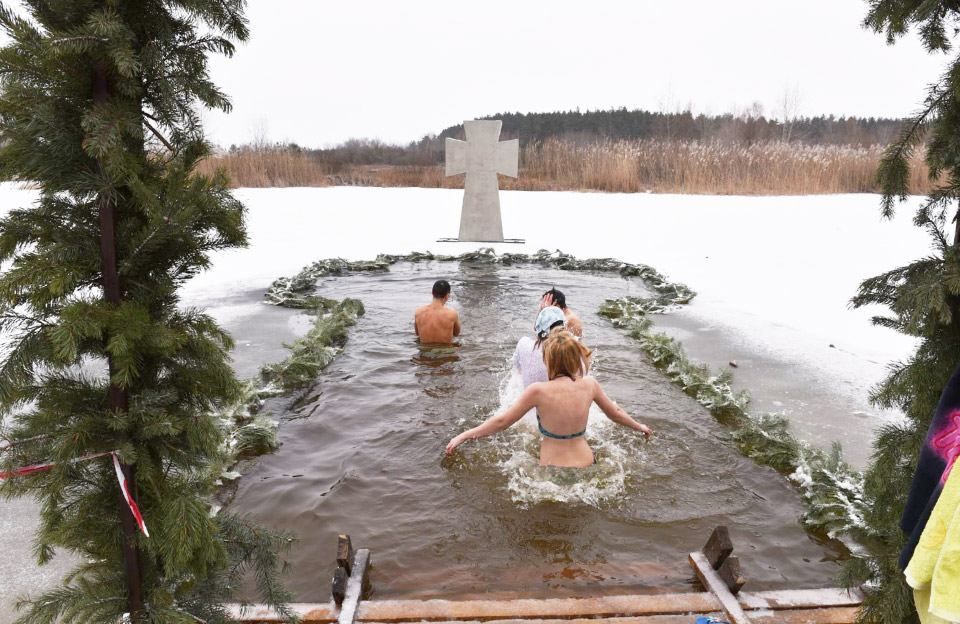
(826,606)
(834,615)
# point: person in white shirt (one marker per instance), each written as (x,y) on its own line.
(528,355)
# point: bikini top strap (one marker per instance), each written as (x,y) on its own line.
(557,436)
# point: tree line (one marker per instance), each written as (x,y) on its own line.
(586,127)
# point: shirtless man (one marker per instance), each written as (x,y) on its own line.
(435,323)
(554,297)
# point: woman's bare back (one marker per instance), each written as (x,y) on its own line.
(564,407)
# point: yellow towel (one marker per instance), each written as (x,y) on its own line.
(921,598)
(935,566)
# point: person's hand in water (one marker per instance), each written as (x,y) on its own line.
(454,443)
(646,431)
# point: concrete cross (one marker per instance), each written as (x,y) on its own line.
(482,156)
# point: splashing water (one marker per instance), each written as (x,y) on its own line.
(518,457)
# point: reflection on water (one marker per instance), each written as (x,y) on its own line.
(437,368)
(436,356)
(367,443)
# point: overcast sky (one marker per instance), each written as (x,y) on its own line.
(318,73)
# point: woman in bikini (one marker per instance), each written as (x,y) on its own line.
(562,404)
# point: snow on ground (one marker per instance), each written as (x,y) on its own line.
(774,277)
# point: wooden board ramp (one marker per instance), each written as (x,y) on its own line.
(715,567)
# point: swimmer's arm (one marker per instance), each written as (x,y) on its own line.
(456,323)
(498,422)
(615,413)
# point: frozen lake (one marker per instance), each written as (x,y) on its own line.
(774,277)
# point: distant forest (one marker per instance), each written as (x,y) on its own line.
(639,124)
(582,128)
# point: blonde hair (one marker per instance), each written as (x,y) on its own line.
(565,356)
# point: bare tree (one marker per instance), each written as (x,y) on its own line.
(789,110)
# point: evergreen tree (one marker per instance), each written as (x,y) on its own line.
(99,105)
(924,300)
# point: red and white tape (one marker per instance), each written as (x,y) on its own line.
(124,488)
(29,470)
(127,496)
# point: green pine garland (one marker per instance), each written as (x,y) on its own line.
(831,490)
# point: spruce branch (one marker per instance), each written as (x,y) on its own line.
(894,167)
(60,41)
(160,137)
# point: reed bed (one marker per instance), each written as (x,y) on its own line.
(267,167)
(659,166)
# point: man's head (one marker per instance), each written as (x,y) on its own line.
(441,289)
(559,299)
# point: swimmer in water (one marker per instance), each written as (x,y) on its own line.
(562,405)
(435,323)
(554,297)
(528,355)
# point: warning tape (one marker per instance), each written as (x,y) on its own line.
(121,478)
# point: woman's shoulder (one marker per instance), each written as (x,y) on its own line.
(589,381)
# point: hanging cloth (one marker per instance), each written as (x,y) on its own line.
(937,458)
(934,570)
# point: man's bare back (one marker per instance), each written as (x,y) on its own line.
(436,323)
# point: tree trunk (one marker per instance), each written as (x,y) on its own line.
(956,229)
(117,399)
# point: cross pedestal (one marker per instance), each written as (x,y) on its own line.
(482,156)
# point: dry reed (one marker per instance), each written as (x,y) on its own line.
(661,166)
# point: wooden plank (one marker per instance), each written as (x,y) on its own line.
(599,606)
(687,618)
(308,613)
(835,615)
(339,585)
(801,598)
(708,576)
(759,604)
(830,615)
(729,573)
(351,601)
(345,553)
(718,547)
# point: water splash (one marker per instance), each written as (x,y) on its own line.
(618,458)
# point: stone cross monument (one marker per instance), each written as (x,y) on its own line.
(482,156)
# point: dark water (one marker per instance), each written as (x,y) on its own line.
(363,454)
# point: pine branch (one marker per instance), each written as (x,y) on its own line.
(893,169)
(77,39)
(160,137)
